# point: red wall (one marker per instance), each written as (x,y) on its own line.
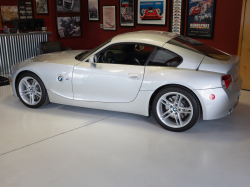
(226,33)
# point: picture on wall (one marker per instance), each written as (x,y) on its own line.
(68,26)
(200,21)
(177,16)
(25,9)
(109,17)
(93,10)
(68,6)
(151,12)
(127,13)
(9,13)
(42,7)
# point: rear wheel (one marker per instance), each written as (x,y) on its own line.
(176,109)
(31,91)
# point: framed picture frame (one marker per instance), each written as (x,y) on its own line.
(9,13)
(42,7)
(68,6)
(177,16)
(25,9)
(93,10)
(152,12)
(127,13)
(200,19)
(109,17)
(68,26)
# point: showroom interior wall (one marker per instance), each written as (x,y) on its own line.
(226,32)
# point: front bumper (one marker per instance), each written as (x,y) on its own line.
(223,104)
(12,85)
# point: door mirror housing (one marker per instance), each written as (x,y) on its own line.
(93,59)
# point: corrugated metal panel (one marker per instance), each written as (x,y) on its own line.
(17,48)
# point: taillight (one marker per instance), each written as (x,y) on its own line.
(226,80)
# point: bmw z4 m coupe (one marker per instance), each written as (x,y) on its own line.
(175,78)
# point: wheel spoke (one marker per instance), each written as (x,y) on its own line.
(31,99)
(26,83)
(186,109)
(24,91)
(176,120)
(38,94)
(179,102)
(167,116)
(34,83)
(176,99)
(180,120)
(167,103)
(165,113)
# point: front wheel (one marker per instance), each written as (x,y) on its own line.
(31,91)
(176,109)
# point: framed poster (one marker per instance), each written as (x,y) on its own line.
(68,26)
(200,19)
(152,12)
(177,16)
(93,10)
(109,17)
(25,9)
(68,6)
(42,7)
(127,13)
(9,13)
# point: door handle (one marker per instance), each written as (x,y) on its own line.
(134,76)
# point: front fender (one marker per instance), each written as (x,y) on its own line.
(48,73)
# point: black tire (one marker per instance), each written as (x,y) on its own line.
(192,99)
(44,99)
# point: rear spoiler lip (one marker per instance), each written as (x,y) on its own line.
(234,59)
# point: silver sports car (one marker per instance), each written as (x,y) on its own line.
(176,78)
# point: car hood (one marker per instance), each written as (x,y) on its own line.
(62,57)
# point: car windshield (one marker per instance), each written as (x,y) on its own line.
(84,55)
(198,47)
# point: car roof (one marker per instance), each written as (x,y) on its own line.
(158,38)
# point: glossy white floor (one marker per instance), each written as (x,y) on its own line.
(58,146)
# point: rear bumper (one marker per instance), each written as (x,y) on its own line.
(223,104)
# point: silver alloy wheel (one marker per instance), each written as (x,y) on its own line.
(30,90)
(174,109)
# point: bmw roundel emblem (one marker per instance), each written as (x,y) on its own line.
(175,109)
(60,78)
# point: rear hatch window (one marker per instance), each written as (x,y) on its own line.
(198,47)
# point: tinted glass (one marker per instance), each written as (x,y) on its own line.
(198,47)
(84,55)
(164,57)
(127,54)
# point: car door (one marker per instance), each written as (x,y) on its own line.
(108,80)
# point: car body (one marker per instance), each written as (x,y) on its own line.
(201,7)
(99,79)
(151,13)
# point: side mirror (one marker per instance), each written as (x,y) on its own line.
(93,59)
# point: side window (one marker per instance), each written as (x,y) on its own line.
(164,57)
(126,54)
